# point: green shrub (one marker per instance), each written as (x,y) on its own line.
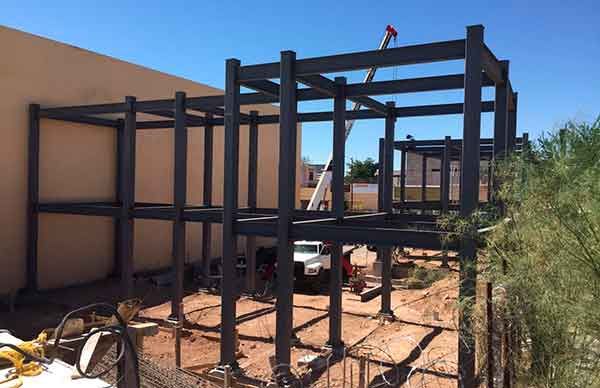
(548,257)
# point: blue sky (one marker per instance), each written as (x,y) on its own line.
(553,46)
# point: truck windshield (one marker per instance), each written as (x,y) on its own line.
(306,248)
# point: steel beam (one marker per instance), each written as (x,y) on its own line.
(230,203)
(412,85)
(127,187)
(408,55)
(179,195)
(388,191)
(491,66)
(469,199)
(287,163)
(33,196)
(263,86)
(207,194)
(79,119)
(337,193)
(327,87)
(252,199)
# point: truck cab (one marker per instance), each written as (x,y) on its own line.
(312,262)
(311,257)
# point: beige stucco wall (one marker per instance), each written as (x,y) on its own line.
(77,162)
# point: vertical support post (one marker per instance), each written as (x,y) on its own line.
(179,196)
(207,194)
(490,335)
(469,199)
(388,176)
(500,128)
(525,144)
(512,124)
(127,198)
(230,204)
(252,200)
(403,169)
(286,194)
(33,196)
(126,223)
(337,187)
(118,199)
(380,176)
(445,189)
(380,179)
(445,181)
(424,179)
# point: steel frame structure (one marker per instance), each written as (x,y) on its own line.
(447,149)
(385,228)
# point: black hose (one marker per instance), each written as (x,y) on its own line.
(120,330)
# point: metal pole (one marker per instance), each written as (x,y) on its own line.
(446,162)
(337,186)
(118,199)
(287,158)
(500,129)
(379,254)
(362,363)
(179,196)
(380,176)
(207,194)
(445,189)
(403,170)
(127,198)
(490,335)
(512,124)
(230,203)
(388,174)
(469,198)
(252,199)
(33,175)
(424,179)
(178,328)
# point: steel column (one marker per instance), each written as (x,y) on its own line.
(500,129)
(380,176)
(127,187)
(424,179)
(179,196)
(252,193)
(512,125)
(207,195)
(469,199)
(445,178)
(116,221)
(388,187)
(337,193)
(287,167)
(501,115)
(230,204)
(33,189)
(403,176)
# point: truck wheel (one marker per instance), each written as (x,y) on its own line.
(317,283)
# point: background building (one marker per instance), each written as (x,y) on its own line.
(77,249)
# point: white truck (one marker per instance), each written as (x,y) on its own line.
(312,262)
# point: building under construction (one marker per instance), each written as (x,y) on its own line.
(250,128)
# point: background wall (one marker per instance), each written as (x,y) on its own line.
(77,162)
